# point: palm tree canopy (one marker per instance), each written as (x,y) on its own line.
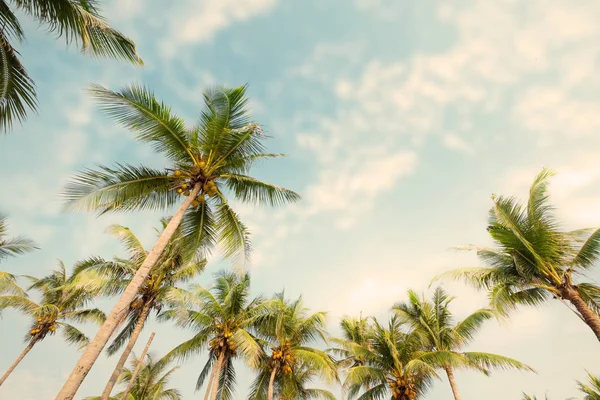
(112,277)
(222,318)
(59,305)
(533,259)
(151,382)
(212,159)
(392,366)
(77,21)
(355,332)
(12,246)
(444,339)
(287,333)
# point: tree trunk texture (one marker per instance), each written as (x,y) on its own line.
(112,381)
(452,381)
(570,293)
(209,384)
(271,380)
(97,344)
(30,345)
(137,368)
(215,382)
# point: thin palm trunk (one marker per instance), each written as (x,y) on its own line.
(112,381)
(97,344)
(137,367)
(209,385)
(215,383)
(452,381)
(589,316)
(271,380)
(19,359)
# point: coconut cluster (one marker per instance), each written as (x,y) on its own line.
(43,325)
(223,340)
(402,385)
(283,358)
(186,179)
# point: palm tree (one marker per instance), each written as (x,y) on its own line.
(445,339)
(392,365)
(58,307)
(288,331)
(592,389)
(206,160)
(293,386)
(536,260)
(112,278)
(16,245)
(355,332)
(150,383)
(222,317)
(75,20)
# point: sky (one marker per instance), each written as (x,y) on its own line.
(399,118)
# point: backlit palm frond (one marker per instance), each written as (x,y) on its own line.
(80,21)
(73,335)
(591,389)
(199,233)
(253,191)
(9,285)
(136,108)
(232,234)
(124,188)
(131,243)
(13,246)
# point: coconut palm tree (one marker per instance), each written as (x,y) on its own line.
(222,317)
(207,162)
(446,339)
(150,383)
(534,260)
(392,366)
(15,245)
(355,332)
(75,20)
(287,331)
(59,306)
(110,278)
(591,389)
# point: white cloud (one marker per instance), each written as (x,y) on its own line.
(200,22)
(454,142)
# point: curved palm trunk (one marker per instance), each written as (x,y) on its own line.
(95,347)
(18,360)
(452,381)
(217,376)
(209,385)
(112,381)
(137,367)
(271,380)
(592,319)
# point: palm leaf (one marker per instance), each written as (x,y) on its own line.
(250,190)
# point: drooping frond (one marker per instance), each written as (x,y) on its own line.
(124,188)
(233,235)
(253,191)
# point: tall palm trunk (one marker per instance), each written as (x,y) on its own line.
(452,381)
(112,381)
(137,367)
(93,350)
(215,383)
(271,380)
(209,385)
(32,342)
(570,293)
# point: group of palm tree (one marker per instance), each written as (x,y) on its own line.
(207,166)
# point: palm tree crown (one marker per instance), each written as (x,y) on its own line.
(535,260)
(444,339)
(75,20)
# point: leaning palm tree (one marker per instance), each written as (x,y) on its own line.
(12,246)
(222,317)
(75,20)
(208,163)
(591,389)
(112,277)
(150,383)
(445,339)
(534,260)
(58,307)
(288,332)
(392,365)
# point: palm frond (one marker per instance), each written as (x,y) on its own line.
(253,191)
(73,335)
(232,233)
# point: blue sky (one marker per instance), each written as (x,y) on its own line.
(400,120)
